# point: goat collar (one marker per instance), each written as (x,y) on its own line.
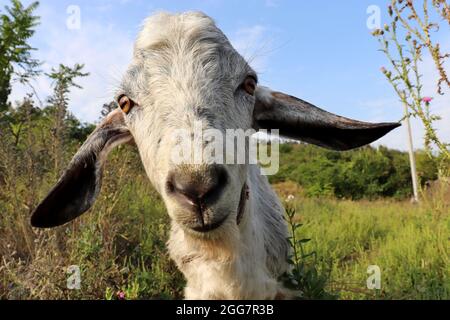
(243,200)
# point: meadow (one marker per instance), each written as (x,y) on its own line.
(120,244)
(408,242)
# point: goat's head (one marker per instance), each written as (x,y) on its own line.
(186,73)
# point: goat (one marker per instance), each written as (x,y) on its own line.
(228,234)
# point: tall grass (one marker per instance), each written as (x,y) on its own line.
(409,242)
(119,244)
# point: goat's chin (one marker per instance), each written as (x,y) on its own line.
(226,229)
(220,244)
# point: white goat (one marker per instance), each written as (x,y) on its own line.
(228,235)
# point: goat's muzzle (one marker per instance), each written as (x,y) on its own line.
(197,189)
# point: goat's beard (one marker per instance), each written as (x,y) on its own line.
(220,244)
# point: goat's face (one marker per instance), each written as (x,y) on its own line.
(186,76)
(185,80)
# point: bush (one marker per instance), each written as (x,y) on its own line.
(366,173)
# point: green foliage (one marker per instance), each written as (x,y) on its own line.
(119,245)
(408,242)
(63,81)
(364,173)
(16,28)
(307,279)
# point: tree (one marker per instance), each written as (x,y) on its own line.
(64,80)
(16,28)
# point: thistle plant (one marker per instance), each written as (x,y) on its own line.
(305,278)
(403,41)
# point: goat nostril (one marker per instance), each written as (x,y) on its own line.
(199,188)
(170,186)
(218,184)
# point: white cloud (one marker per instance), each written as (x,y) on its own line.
(271,3)
(104,49)
(254,44)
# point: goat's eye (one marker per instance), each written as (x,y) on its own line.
(249,85)
(125,103)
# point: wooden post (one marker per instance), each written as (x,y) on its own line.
(412,159)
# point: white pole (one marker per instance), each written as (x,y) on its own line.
(412,159)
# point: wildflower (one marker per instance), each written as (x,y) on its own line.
(290,198)
(427,99)
(120,295)
(377,32)
(387,73)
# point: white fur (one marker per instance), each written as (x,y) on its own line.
(185,70)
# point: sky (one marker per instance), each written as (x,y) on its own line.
(319,51)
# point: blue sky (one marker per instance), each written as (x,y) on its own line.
(322,52)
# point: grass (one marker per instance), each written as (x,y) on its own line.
(120,244)
(409,242)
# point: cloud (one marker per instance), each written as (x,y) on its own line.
(254,44)
(105,49)
(271,3)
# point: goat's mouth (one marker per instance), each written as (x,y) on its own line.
(208,227)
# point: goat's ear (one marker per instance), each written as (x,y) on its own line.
(298,119)
(76,190)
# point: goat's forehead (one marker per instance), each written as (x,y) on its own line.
(188,45)
(164,29)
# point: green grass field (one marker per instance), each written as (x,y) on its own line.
(409,243)
(120,245)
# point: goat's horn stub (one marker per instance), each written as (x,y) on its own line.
(298,119)
(77,189)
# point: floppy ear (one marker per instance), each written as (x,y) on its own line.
(301,120)
(78,187)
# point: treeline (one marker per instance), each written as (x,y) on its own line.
(38,135)
(364,173)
